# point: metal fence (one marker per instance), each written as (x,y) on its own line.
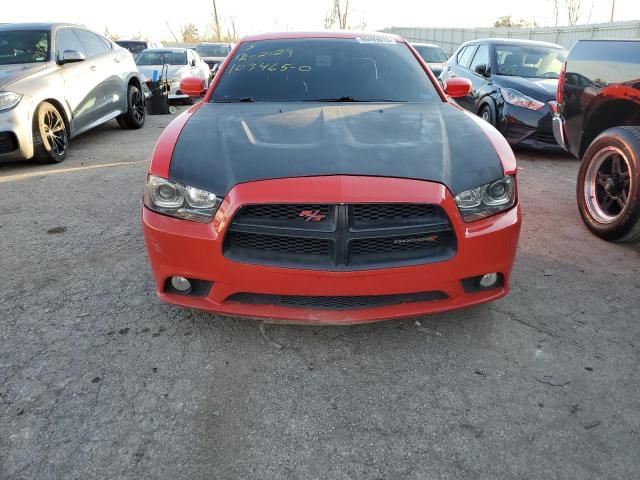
(450,38)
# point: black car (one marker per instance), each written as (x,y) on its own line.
(598,121)
(514,86)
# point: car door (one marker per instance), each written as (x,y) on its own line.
(460,68)
(480,69)
(102,64)
(80,80)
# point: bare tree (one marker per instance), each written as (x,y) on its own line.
(339,14)
(556,11)
(573,11)
(189,33)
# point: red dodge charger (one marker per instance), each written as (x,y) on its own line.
(327,178)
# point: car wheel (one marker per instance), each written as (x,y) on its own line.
(188,101)
(608,187)
(135,116)
(487,114)
(50,137)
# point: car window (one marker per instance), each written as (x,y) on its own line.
(67,40)
(92,44)
(481,57)
(107,43)
(530,61)
(431,54)
(466,57)
(161,57)
(460,54)
(134,47)
(213,50)
(23,46)
(366,69)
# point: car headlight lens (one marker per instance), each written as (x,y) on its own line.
(519,99)
(486,200)
(181,201)
(9,100)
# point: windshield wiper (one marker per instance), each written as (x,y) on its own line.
(354,100)
(237,100)
(336,99)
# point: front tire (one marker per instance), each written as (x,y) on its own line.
(608,187)
(486,113)
(50,137)
(135,116)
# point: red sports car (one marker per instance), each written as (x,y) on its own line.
(327,178)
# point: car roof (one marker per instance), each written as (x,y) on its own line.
(222,44)
(419,44)
(39,26)
(166,49)
(513,41)
(326,34)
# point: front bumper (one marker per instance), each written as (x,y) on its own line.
(17,124)
(193,250)
(528,128)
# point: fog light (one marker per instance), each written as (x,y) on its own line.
(489,280)
(181,284)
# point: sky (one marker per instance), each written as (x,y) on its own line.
(126,18)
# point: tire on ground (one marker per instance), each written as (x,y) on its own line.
(45,117)
(135,115)
(626,226)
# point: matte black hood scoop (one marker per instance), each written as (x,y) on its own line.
(224,144)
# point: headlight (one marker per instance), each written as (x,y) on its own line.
(487,199)
(181,201)
(518,99)
(9,100)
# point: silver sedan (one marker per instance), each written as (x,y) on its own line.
(57,81)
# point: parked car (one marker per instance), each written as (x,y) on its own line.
(327,178)
(182,63)
(57,81)
(137,46)
(213,54)
(514,86)
(433,55)
(598,121)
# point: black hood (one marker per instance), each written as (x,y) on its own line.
(223,145)
(542,89)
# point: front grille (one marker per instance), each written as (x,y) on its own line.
(8,142)
(340,237)
(337,302)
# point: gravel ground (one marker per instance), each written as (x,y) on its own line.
(98,379)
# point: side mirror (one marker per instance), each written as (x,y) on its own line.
(457,87)
(482,69)
(193,86)
(71,56)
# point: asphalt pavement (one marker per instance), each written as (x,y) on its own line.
(99,379)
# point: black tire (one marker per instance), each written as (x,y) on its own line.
(50,135)
(187,101)
(135,115)
(608,187)
(486,113)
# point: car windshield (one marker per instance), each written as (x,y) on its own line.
(213,50)
(133,47)
(24,46)
(364,69)
(529,61)
(431,54)
(162,57)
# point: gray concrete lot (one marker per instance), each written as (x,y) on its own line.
(98,379)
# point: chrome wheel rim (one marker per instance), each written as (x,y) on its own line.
(607,185)
(485,115)
(137,104)
(55,132)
